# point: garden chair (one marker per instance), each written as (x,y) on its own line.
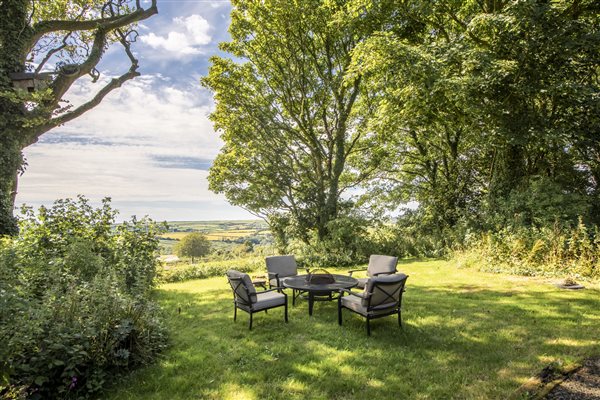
(381,297)
(378,265)
(279,267)
(246,298)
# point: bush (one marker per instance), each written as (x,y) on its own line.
(75,304)
(352,240)
(560,250)
(539,203)
(184,272)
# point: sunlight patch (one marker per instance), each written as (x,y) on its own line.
(236,392)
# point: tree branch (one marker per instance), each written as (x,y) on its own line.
(64,81)
(113,84)
(106,24)
(53,52)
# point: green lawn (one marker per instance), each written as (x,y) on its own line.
(467,335)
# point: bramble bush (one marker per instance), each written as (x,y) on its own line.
(75,301)
(353,239)
(178,272)
(558,250)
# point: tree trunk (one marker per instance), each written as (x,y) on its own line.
(10,166)
(509,171)
(13,37)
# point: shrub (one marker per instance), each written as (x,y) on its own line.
(183,272)
(74,301)
(560,250)
(352,240)
(348,243)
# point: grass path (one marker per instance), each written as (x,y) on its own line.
(467,335)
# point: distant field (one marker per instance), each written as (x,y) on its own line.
(214,235)
(216,230)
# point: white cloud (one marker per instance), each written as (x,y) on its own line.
(219,4)
(187,37)
(147,145)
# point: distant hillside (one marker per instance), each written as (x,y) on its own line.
(221,233)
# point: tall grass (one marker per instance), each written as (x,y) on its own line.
(548,251)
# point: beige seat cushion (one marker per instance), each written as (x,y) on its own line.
(355,303)
(268,300)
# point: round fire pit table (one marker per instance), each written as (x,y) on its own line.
(319,287)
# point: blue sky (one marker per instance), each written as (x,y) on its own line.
(149,144)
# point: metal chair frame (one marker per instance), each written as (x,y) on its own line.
(237,300)
(275,275)
(295,293)
(396,309)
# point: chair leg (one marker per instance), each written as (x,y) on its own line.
(368,326)
(400,318)
(250,325)
(293,297)
(339,312)
(234,313)
(286,310)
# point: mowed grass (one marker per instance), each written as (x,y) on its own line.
(466,335)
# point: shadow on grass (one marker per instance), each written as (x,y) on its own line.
(460,341)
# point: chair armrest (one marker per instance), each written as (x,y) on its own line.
(356,270)
(384,273)
(274,275)
(272,290)
(342,291)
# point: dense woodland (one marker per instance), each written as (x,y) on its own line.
(485,113)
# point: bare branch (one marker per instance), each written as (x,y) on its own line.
(64,81)
(113,84)
(106,24)
(53,52)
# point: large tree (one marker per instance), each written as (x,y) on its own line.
(286,112)
(193,245)
(71,35)
(491,106)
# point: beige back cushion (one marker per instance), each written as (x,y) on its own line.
(381,265)
(381,288)
(246,292)
(282,265)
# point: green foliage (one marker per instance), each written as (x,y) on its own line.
(8,223)
(484,113)
(488,109)
(539,203)
(286,114)
(183,272)
(193,245)
(75,301)
(560,250)
(348,243)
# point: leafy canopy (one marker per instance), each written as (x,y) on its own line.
(286,113)
(193,245)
